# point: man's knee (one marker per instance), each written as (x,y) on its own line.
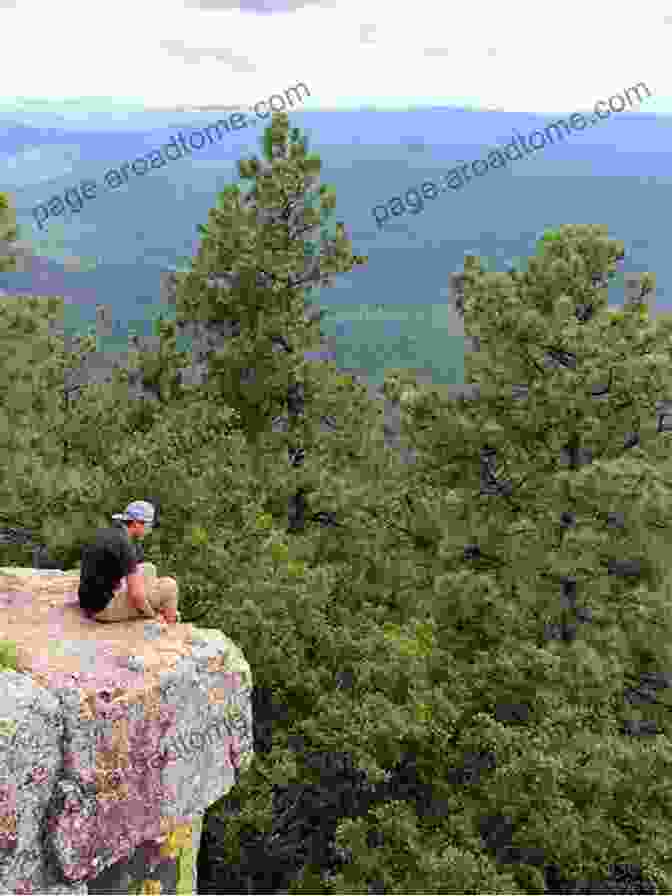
(169,584)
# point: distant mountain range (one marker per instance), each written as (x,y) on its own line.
(617,173)
(195,108)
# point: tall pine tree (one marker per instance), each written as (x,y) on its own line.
(261,252)
(567,393)
(557,471)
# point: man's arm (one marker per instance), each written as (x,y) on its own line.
(136,594)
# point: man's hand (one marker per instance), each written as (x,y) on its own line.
(143,608)
(135,589)
(166,619)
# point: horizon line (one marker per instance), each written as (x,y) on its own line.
(22,106)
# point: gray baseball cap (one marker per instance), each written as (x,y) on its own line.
(138,511)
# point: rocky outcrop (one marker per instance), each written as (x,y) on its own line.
(114,740)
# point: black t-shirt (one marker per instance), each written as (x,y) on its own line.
(106,560)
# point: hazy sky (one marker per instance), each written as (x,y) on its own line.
(524,56)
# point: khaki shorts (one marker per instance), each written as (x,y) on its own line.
(161,594)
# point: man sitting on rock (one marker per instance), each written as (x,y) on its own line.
(115,585)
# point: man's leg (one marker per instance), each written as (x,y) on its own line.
(163,596)
(120,608)
(162,593)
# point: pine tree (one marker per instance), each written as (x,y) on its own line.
(8,233)
(34,409)
(597,405)
(261,251)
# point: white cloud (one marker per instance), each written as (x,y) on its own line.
(373,52)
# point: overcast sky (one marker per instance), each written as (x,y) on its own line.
(525,56)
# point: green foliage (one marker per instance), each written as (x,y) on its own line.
(260,251)
(8,656)
(8,232)
(38,486)
(411,862)
(439,639)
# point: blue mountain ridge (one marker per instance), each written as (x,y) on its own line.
(616,173)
